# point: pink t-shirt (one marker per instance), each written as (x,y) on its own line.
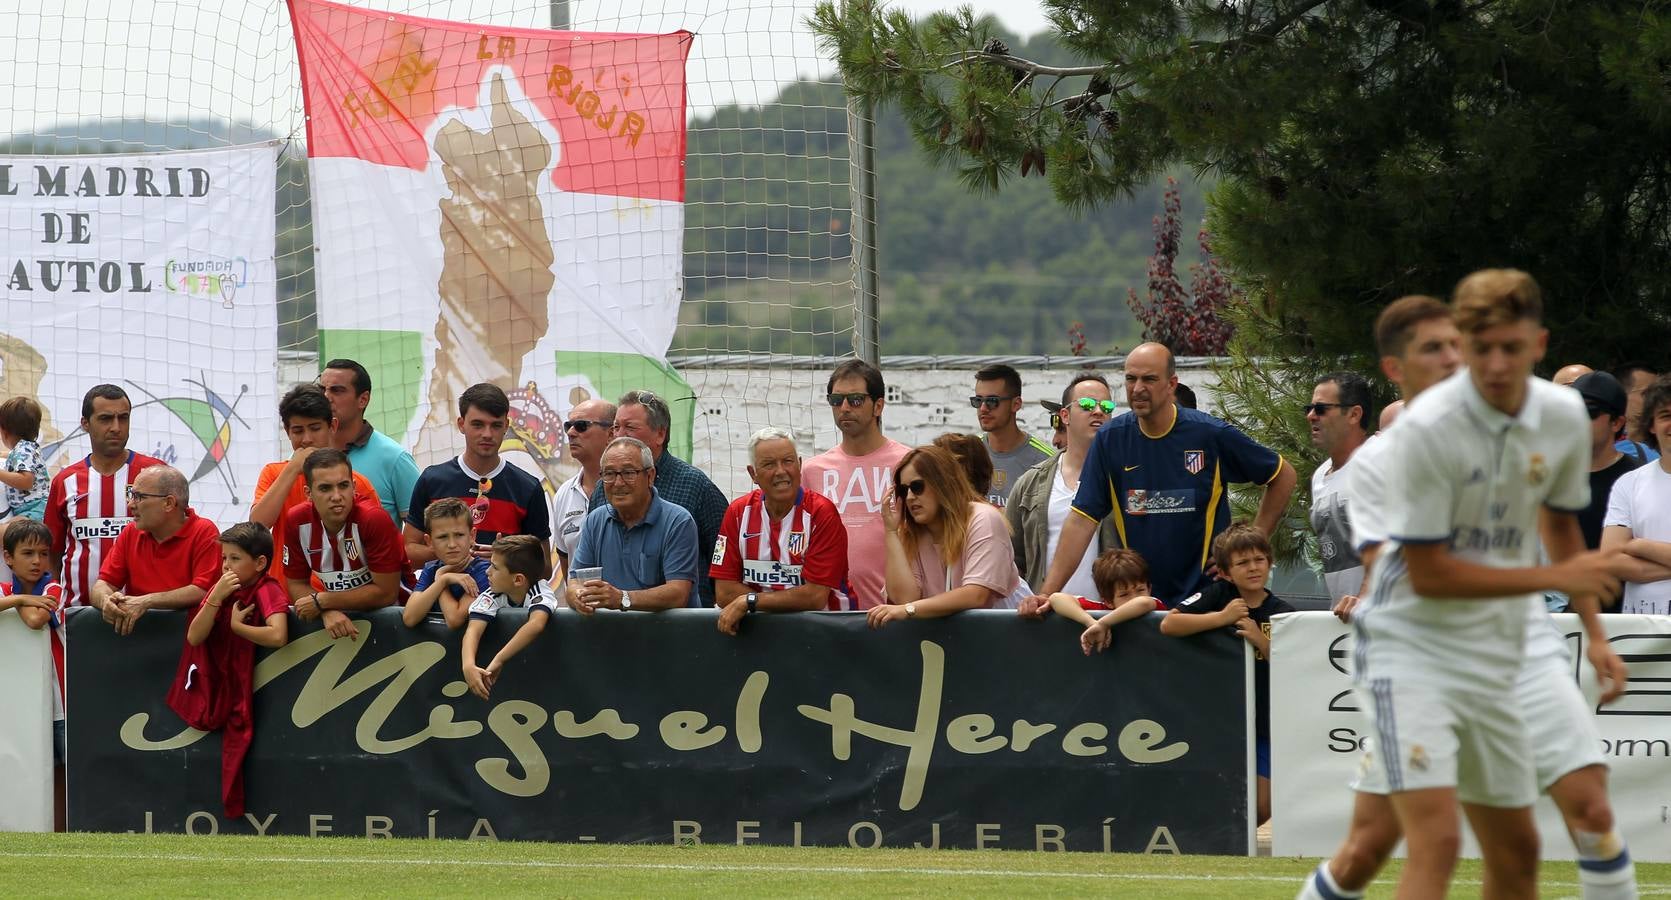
(856,485)
(988,559)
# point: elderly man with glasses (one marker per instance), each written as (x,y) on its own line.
(166,558)
(587,432)
(641,550)
(646,417)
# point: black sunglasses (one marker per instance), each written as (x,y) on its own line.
(581,425)
(990,401)
(918,487)
(1322,408)
(854,400)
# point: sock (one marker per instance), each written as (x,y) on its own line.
(1320,885)
(1605,871)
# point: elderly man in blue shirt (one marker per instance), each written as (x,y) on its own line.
(645,546)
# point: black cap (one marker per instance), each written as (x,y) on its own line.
(1602,393)
(1050,406)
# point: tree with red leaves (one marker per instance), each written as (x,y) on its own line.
(1189,322)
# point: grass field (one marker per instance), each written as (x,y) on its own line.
(123,865)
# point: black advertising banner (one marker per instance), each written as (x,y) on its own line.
(979,730)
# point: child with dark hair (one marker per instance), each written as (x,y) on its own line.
(213,684)
(517,578)
(1240,601)
(1122,580)
(39,601)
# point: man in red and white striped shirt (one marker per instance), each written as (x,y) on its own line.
(347,542)
(781,547)
(87,506)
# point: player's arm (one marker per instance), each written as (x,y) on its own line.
(1274,502)
(378,594)
(538,616)
(1437,573)
(1563,539)
(416,550)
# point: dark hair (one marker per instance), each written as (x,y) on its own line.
(1081,378)
(1117,567)
(22,531)
(251,537)
(1623,371)
(444,508)
(1654,396)
(101,392)
(362,378)
(858,367)
(655,408)
(1354,391)
(305,400)
(1184,395)
(22,417)
(972,456)
(1396,324)
(1000,372)
(1240,537)
(324,458)
(523,554)
(486,397)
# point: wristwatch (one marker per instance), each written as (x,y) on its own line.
(626,600)
(910,610)
(753,602)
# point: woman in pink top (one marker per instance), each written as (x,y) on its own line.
(949,551)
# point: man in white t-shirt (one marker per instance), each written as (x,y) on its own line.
(857,473)
(1478,459)
(1339,417)
(1639,512)
(1042,498)
(588,432)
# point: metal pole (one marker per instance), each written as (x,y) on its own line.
(560,15)
(867,332)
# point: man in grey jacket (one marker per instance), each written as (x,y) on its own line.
(1042,498)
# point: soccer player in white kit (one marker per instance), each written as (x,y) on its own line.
(1441,638)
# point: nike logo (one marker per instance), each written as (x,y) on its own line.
(1130,468)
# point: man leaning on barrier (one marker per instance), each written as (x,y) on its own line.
(643,547)
(167,558)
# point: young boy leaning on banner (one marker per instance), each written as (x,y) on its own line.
(516,578)
(1122,580)
(213,684)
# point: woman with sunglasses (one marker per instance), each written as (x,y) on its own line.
(948,549)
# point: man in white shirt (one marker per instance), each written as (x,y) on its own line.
(1639,512)
(588,432)
(1339,417)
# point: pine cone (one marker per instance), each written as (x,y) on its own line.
(996,48)
(1110,120)
(1099,86)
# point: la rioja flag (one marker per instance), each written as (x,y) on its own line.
(494,204)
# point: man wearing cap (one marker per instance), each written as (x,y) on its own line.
(1058,428)
(1604,401)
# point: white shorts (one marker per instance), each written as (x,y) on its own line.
(1560,722)
(1427,736)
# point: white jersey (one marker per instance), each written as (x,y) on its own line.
(1463,473)
(568,512)
(1641,501)
(1331,520)
(1365,490)
(487,604)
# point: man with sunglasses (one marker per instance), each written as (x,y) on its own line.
(1339,418)
(997,400)
(857,473)
(1043,496)
(168,557)
(587,431)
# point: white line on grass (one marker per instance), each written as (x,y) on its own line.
(710,867)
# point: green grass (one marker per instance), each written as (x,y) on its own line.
(179,866)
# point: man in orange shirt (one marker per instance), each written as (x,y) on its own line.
(310,425)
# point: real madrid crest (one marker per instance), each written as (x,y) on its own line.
(1537,469)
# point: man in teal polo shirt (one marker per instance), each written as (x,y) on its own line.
(646,546)
(386,464)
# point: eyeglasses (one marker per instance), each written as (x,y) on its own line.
(1089,404)
(917,488)
(135,495)
(1056,422)
(990,401)
(623,474)
(1320,409)
(854,400)
(581,425)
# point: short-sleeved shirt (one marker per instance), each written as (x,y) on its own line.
(685,486)
(477,569)
(298,495)
(1011,465)
(50,589)
(504,501)
(390,469)
(1169,493)
(1590,521)
(1365,490)
(1641,501)
(659,548)
(85,511)
(29,503)
(987,560)
(1215,598)
(366,544)
(1332,523)
(856,485)
(568,513)
(1464,474)
(807,546)
(540,598)
(140,564)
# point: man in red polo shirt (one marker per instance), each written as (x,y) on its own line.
(349,544)
(167,558)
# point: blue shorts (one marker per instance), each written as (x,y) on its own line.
(58,742)
(1262,757)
